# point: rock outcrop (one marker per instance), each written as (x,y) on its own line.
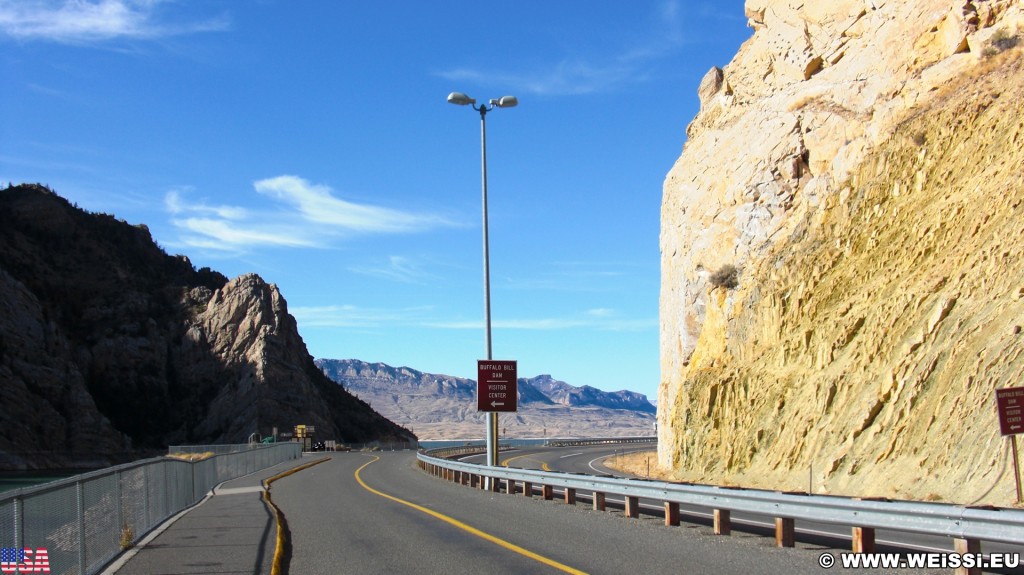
(110,348)
(859,164)
(444,407)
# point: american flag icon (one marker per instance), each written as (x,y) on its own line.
(14,560)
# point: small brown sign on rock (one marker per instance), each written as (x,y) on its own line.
(1010,405)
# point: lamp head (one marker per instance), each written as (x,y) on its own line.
(460,99)
(505,102)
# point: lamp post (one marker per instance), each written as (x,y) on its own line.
(461,99)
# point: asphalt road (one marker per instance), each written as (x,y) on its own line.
(378,513)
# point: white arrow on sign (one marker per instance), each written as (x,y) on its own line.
(496,404)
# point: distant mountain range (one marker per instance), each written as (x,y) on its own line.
(444,407)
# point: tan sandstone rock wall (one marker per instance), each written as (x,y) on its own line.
(859,162)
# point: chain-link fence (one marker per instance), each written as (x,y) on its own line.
(86,521)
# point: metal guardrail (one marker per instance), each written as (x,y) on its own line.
(968,524)
(474,447)
(87,520)
(599,441)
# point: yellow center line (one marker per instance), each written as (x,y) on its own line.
(467,528)
(543,466)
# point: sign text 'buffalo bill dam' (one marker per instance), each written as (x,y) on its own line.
(1010,407)
(496,388)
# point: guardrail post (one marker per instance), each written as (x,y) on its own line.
(80,497)
(632,506)
(963,547)
(784,532)
(723,522)
(598,501)
(19,523)
(510,486)
(570,496)
(120,499)
(671,514)
(548,492)
(528,489)
(863,540)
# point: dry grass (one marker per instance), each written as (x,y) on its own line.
(191,456)
(640,464)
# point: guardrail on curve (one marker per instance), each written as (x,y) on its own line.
(967,526)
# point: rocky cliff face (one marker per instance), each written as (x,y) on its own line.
(444,407)
(109,347)
(859,164)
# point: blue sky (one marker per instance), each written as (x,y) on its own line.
(311,143)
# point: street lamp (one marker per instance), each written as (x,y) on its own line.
(460,99)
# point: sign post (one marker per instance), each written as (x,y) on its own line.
(496,385)
(1010,406)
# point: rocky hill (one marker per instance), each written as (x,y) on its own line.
(842,253)
(444,407)
(110,348)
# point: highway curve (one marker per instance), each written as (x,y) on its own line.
(378,513)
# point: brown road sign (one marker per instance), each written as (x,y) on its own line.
(496,385)
(1010,404)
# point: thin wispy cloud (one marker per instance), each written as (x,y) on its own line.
(425,317)
(352,316)
(573,75)
(176,205)
(311,216)
(607,320)
(578,276)
(569,77)
(219,234)
(85,21)
(317,204)
(397,268)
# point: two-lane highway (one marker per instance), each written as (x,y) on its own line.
(378,513)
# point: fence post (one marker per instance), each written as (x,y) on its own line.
(570,496)
(19,523)
(784,532)
(723,523)
(80,496)
(671,514)
(963,547)
(632,506)
(145,497)
(195,480)
(120,503)
(599,501)
(863,540)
